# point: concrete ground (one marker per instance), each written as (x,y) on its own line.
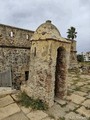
(76,106)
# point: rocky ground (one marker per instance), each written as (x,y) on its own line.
(76,106)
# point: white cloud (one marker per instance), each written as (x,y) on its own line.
(30,14)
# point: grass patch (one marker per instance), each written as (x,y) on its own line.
(27,101)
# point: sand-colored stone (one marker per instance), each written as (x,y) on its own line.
(83,89)
(80,84)
(47,45)
(16,55)
(85,76)
(61,102)
(6,91)
(25,110)
(17,116)
(37,115)
(6,101)
(74,116)
(86,103)
(16,96)
(88,96)
(48,118)
(56,111)
(71,106)
(80,93)
(87,86)
(76,99)
(9,110)
(83,111)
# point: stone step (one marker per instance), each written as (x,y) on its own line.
(9,110)
(6,101)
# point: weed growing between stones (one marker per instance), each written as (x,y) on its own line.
(27,101)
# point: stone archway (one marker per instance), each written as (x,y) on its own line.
(60,75)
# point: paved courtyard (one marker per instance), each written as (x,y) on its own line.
(76,106)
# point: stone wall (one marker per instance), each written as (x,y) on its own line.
(14,52)
(17,60)
(11,36)
(40,79)
(73,55)
(41,82)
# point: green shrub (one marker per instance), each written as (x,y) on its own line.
(27,101)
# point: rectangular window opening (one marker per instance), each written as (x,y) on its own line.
(11,34)
(27,36)
(26,75)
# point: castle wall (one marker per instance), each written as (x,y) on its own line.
(17,60)
(14,52)
(11,36)
(73,55)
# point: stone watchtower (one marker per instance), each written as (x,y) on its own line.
(49,56)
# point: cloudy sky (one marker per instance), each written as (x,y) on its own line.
(29,14)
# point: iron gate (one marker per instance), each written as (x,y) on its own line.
(6,79)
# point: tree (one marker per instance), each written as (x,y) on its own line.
(80,58)
(72,33)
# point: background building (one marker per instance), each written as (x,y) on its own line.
(86,56)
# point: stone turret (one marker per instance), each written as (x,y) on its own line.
(49,56)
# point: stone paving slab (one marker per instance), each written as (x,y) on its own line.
(6,101)
(48,118)
(83,111)
(76,98)
(86,103)
(80,93)
(80,84)
(56,111)
(73,87)
(87,86)
(61,102)
(85,76)
(83,89)
(88,96)
(17,116)
(37,115)
(71,106)
(25,110)
(6,91)
(9,110)
(74,116)
(15,97)
(75,107)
